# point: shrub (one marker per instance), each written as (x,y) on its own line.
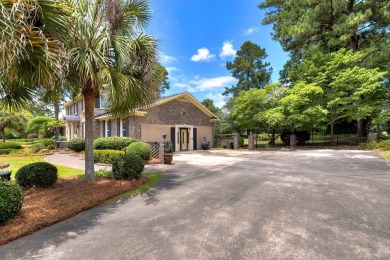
(106,156)
(51,147)
(40,174)
(35,148)
(44,150)
(302,137)
(112,143)
(77,144)
(127,167)
(10,145)
(141,149)
(5,151)
(241,141)
(11,200)
(383,145)
(47,142)
(32,135)
(103,174)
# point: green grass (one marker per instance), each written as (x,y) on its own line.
(386,154)
(17,162)
(154,177)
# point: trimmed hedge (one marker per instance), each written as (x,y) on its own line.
(127,167)
(77,144)
(11,200)
(40,174)
(112,143)
(51,147)
(141,149)
(10,145)
(106,156)
(6,151)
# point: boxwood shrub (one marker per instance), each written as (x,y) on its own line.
(10,145)
(40,174)
(106,156)
(77,144)
(112,143)
(127,167)
(50,147)
(141,149)
(11,200)
(35,148)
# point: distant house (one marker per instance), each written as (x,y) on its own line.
(184,120)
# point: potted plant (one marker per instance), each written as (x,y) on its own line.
(168,152)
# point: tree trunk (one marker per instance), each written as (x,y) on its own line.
(3,134)
(89,99)
(332,133)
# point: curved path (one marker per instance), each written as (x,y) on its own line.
(303,204)
(75,161)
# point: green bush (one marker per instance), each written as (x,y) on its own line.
(10,145)
(77,144)
(35,148)
(44,150)
(112,143)
(141,149)
(40,174)
(383,145)
(103,174)
(168,146)
(5,151)
(241,141)
(106,156)
(47,142)
(50,147)
(11,200)
(127,167)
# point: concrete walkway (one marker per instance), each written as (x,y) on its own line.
(301,204)
(75,161)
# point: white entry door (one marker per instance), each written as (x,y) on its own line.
(184,139)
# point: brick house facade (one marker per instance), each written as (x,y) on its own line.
(181,117)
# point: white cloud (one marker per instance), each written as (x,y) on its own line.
(203,55)
(203,84)
(179,85)
(166,59)
(227,50)
(218,99)
(171,69)
(252,30)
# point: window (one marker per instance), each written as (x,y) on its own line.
(103,101)
(123,128)
(106,128)
(76,108)
(82,104)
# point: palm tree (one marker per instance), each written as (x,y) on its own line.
(14,121)
(107,49)
(99,44)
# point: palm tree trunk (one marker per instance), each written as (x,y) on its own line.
(56,116)
(89,97)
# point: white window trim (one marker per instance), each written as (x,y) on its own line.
(101,103)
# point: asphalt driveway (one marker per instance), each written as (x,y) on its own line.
(303,204)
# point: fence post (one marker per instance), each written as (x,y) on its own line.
(293,140)
(161,152)
(236,142)
(251,142)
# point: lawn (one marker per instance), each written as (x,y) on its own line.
(17,162)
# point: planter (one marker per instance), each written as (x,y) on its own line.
(168,158)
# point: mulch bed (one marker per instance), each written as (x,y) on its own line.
(44,207)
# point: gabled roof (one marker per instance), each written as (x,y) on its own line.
(185,96)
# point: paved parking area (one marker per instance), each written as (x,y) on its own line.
(224,204)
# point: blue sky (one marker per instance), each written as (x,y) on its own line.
(197,37)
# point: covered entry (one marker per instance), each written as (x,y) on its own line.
(184,137)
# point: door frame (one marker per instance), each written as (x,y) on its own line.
(186,129)
(190,137)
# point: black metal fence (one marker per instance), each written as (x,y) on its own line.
(317,138)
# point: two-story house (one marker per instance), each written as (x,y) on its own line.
(181,117)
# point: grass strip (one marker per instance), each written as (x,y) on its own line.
(154,177)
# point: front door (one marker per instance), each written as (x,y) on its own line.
(183,139)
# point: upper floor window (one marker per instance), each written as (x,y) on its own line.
(101,102)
